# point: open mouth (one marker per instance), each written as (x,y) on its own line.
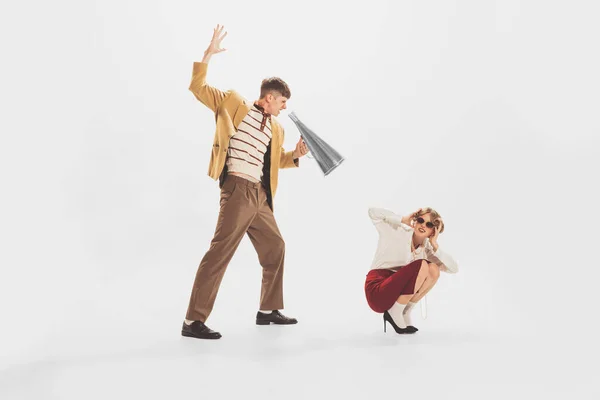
(421,230)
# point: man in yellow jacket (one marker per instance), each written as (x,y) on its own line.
(247,153)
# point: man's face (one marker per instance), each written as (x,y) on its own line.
(275,102)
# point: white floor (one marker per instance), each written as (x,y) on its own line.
(309,361)
(331,353)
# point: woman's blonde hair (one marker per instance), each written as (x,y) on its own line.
(436,218)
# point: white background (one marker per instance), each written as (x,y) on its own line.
(485,110)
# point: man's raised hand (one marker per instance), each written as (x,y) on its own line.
(215,43)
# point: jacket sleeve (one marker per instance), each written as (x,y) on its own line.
(209,96)
(286,158)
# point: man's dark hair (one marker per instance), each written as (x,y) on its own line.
(274,84)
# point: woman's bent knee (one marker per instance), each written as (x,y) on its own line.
(434,271)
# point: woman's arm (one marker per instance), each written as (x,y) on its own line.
(443,259)
(379,215)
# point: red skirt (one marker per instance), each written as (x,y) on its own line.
(384,286)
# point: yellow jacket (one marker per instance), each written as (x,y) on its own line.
(230,108)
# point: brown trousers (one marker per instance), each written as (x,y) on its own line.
(244,209)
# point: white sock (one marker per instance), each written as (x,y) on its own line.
(265,312)
(396,314)
(407,311)
(188,322)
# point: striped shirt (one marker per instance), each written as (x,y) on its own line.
(247,147)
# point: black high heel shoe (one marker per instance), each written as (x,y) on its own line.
(388,318)
(412,329)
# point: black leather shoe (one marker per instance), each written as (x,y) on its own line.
(275,317)
(388,318)
(411,329)
(198,330)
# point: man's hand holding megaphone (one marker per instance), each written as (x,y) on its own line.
(301,149)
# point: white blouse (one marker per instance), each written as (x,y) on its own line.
(394,247)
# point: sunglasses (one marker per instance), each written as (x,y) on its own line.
(429,224)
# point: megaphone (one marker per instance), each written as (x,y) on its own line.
(325,155)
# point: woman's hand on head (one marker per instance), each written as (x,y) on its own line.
(434,236)
(410,219)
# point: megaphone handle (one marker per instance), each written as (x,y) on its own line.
(307,155)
